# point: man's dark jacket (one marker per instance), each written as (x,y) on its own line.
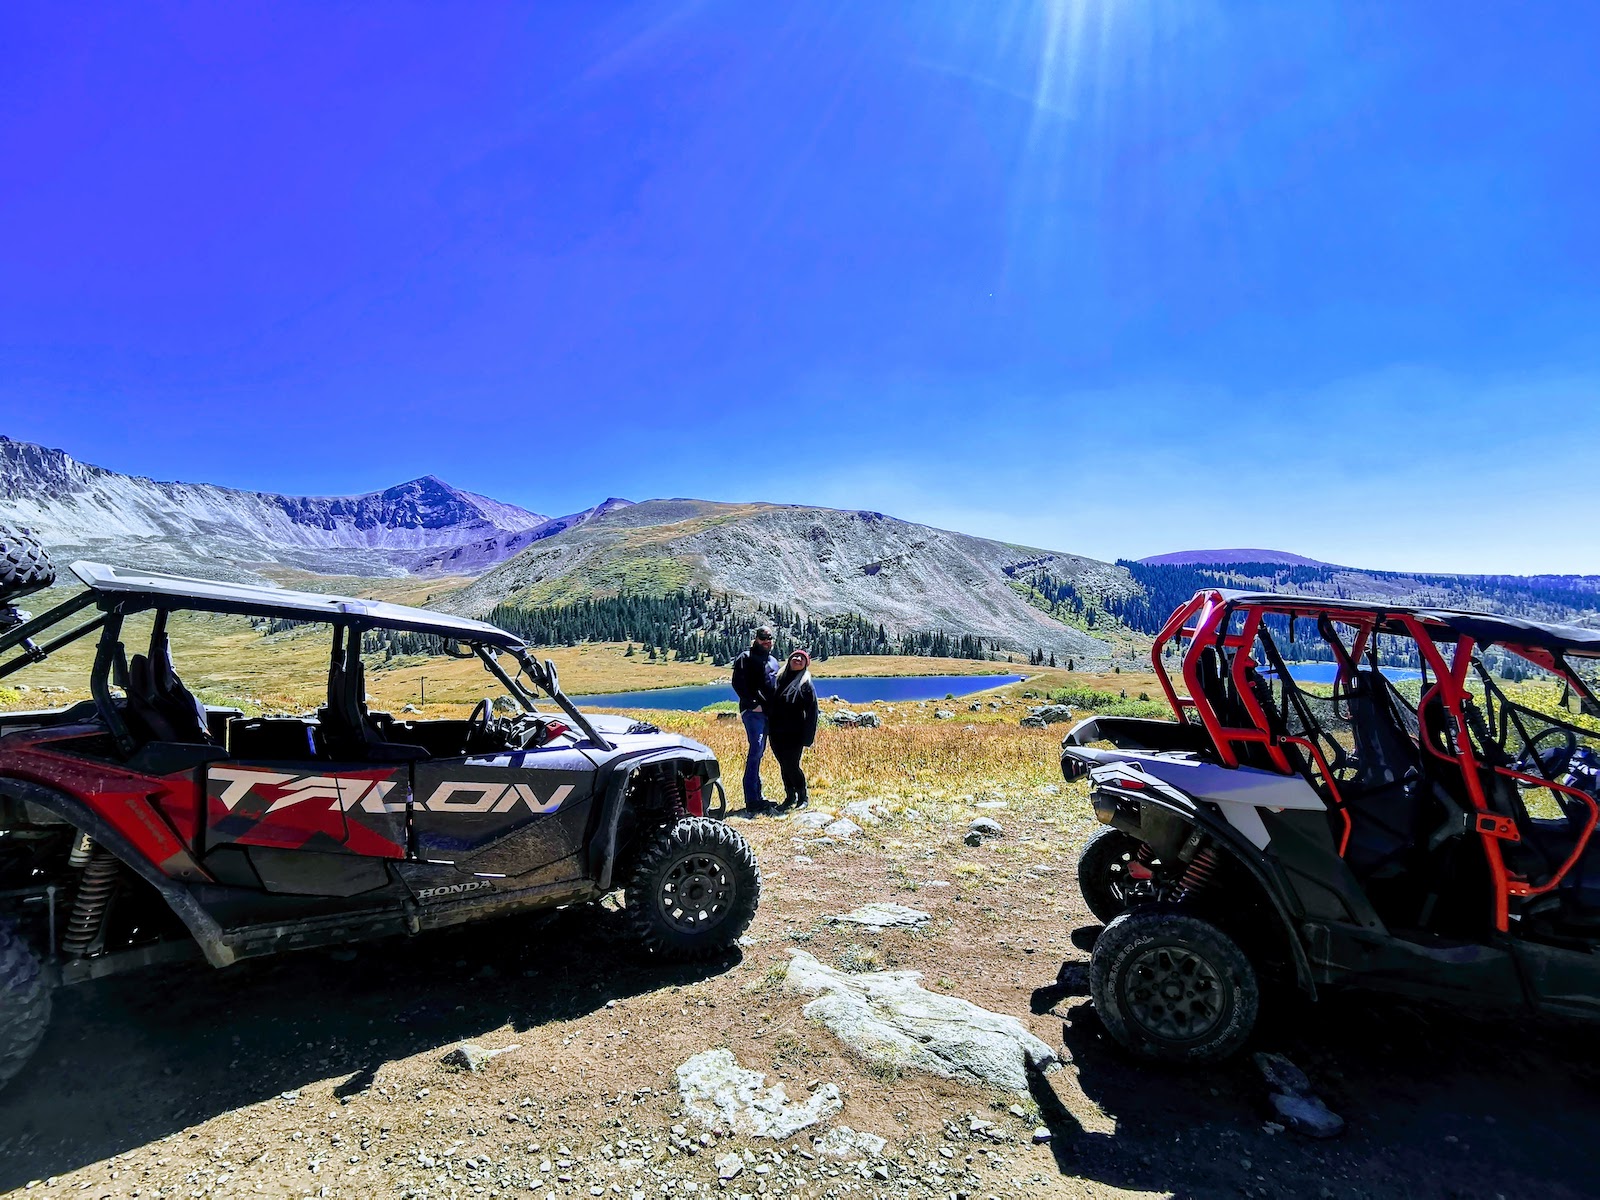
(755,678)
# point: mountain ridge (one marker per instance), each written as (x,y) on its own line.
(824,563)
(86,510)
(1218,558)
(827,565)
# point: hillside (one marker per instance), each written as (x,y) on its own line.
(850,582)
(1568,599)
(81,510)
(1198,558)
(824,563)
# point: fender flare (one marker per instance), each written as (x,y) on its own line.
(603,846)
(201,925)
(1267,877)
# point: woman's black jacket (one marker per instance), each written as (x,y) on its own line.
(792,715)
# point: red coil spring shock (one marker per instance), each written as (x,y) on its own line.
(680,797)
(89,906)
(1139,868)
(1199,873)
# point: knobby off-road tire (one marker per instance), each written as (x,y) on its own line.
(24,565)
(1172,987)
(694,891)
(1103,873)
(24,1004)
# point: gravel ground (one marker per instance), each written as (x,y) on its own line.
(319,1074)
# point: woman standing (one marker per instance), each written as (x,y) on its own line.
(792,725)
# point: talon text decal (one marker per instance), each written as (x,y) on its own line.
(492,797)
(341,792)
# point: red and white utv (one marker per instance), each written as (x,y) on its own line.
(1414,823)
(143,825)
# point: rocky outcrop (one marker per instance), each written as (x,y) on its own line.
(848,719)
(723,1095)
(881,915)
(889,1017)
(1050,714)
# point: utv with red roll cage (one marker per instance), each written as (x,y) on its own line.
(1433,835)
(142,825)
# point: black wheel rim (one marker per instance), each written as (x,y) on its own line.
(1174,993)
(696,893)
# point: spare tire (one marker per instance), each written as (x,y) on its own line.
(25,566)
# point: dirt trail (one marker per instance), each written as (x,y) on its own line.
(318,1074)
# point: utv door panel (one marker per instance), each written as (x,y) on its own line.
(511,814)
(310,873)
(320,807)
(1483,974)
(1560,979)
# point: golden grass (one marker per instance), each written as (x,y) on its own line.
(938,768)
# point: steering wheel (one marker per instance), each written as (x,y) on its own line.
(478,723)
(1552,761)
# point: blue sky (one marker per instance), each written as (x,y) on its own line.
(1109,277)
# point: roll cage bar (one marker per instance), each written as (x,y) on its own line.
(479,639)
(1220,651)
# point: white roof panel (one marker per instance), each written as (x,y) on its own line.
(213,596)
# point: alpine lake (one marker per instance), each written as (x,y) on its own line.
(860,690)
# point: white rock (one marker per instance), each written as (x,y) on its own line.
(881,915)
(815,818)
(942,714)
(889,1017)
(847,1145)
(723,1095)
(1307,1115)
(843,828)
(729,1165)
(1281,1074)
(865,812)
(986,827)
(469,1056)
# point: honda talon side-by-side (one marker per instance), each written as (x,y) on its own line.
(143,825)
(1417,822)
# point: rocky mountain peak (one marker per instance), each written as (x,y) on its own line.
(79,508)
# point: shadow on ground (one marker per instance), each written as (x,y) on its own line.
(135,1058)
(1439,1102)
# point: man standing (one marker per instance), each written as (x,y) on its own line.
(755,679)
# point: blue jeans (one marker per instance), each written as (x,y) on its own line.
(755,731)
